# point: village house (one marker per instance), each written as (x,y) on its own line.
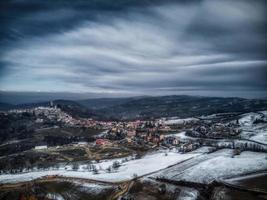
(102,142)
(129,140)
(171,140)
(82,144)
(40,147)
(131,133)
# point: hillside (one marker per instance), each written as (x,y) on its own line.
(151,107)
(182,106)
(71,107)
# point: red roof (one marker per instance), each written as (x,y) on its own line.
(101,141)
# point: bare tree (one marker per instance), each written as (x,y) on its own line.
(109,169)
(116,165)
(75,166)
(95,170)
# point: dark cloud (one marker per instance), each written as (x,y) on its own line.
(135,47)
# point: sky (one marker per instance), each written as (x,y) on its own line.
(134,47)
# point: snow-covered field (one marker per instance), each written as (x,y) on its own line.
(181,136)
(93,187)
(188,194)
(261,136)
(240,178)
(147,164)
(76,189)
(185,193)
(219,166)
(181,121)
(252,131)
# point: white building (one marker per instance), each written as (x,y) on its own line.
(40,147)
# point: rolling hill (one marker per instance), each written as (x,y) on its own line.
(151,107)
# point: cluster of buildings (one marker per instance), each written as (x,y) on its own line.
(140,132)
(145,133)
(215,130)
(43,113)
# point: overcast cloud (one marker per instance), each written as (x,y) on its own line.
(208,47)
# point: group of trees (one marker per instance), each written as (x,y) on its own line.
(241,145)
(118,135)
(92,168)
(89,167)
(24,165)
(16,126)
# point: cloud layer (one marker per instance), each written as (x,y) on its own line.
(207,47)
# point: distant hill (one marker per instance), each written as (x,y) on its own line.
(75,109)
(152,107)
(182,106)
(17,98)
(102,103)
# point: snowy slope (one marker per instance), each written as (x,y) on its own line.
(220,166)
(252,131)
(181,121)
(145,165)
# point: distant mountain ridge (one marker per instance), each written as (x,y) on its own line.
(152,107)
(182,106)
(101,103)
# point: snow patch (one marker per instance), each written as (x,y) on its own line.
(181,121)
